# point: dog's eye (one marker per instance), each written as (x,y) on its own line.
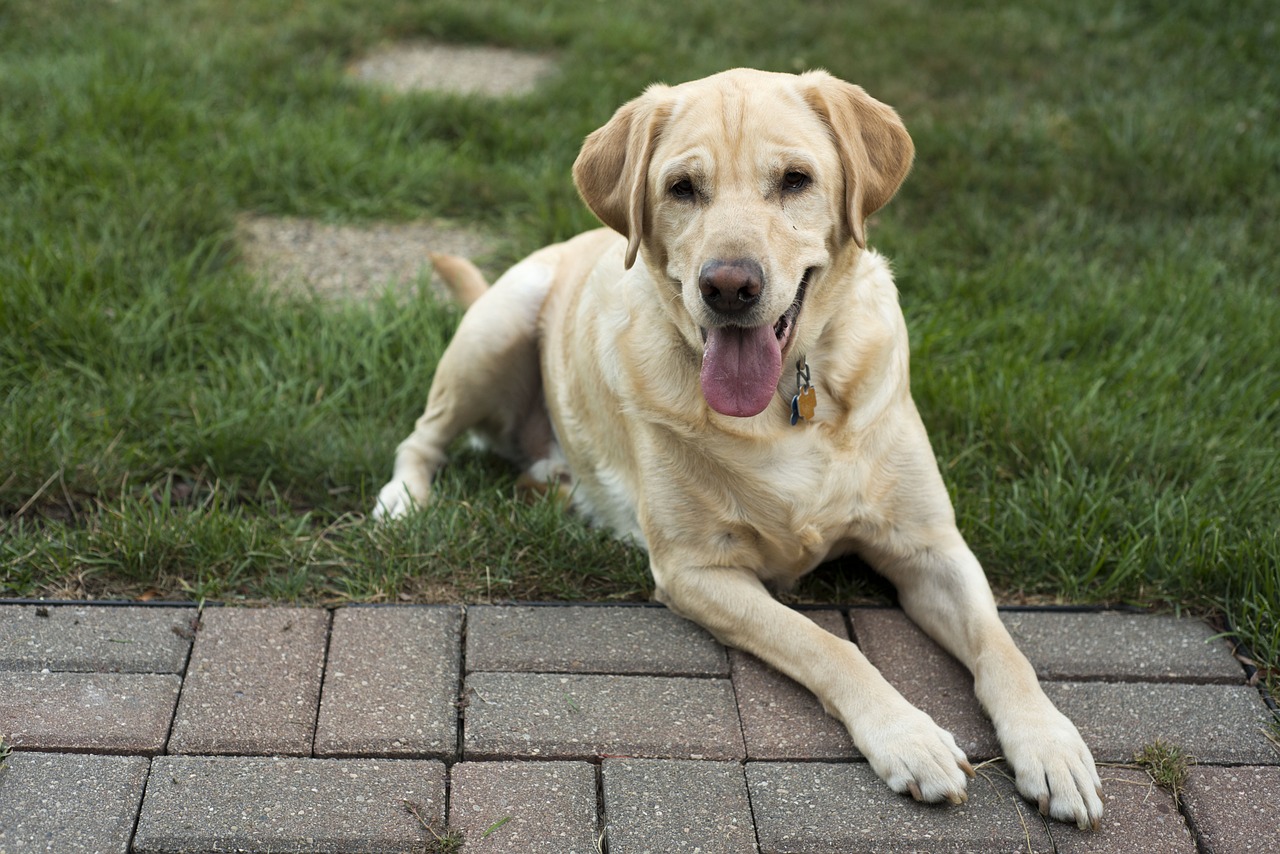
(795,181)
(682,189)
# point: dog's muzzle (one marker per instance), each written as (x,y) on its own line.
(741,364)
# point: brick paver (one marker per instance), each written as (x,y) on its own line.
(87,712)
(253,685)
(572,716)
(1235,809)
(660,749)
(660,805)
(1214,723)
(806,809)
(585,639)
(95,639)
(391,685)
(235,803)
(524,807)
(1138,816)
(69,802)
(1071,646)
(927,676)
(819,808)
(780,718)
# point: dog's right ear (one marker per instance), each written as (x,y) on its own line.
(611,171)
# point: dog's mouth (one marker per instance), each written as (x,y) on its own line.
(787,323)
(741,366)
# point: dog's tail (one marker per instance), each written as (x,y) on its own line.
(464,279)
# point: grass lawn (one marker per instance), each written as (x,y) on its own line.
(1086,252)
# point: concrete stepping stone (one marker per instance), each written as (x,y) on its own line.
(345,261)
(453,69)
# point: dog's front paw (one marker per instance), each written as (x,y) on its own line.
(397,499)
(914,755)
(1054,767)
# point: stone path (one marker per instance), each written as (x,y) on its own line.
(333,261)
(574,729)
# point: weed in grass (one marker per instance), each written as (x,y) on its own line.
(1167,764)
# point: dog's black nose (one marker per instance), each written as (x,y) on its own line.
(731,286)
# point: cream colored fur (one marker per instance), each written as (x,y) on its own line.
(582,365)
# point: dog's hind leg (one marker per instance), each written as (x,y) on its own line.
(488,379)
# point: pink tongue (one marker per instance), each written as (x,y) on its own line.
(740,369)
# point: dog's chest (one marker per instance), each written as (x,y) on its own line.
(778,508)
(808,500)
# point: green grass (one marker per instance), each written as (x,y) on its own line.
(1085,250)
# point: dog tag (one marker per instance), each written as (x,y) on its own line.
(806,402)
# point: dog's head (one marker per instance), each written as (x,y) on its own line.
(742,189)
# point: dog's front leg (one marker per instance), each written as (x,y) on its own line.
(943,589)
(904,746)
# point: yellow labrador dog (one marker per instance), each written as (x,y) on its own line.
(721,376)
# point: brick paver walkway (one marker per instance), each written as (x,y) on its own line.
(575,729)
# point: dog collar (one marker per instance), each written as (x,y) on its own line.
(805,400)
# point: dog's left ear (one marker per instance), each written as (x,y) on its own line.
(611,171)
(875,148)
